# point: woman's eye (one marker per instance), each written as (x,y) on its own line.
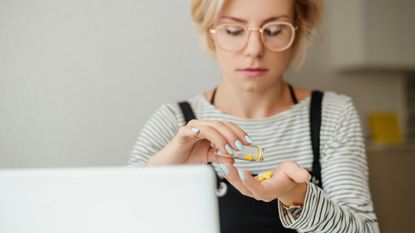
(273,31)
(234,31)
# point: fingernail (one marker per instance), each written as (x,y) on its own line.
(195,130)
(224,168)
(249,139)
(229,149)
(239,145)
(241,174)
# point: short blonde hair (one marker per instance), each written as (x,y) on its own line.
(307,16)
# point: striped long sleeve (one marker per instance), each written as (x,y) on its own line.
(156,133)
(345,204)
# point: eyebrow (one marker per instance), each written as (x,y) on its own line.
(263,22)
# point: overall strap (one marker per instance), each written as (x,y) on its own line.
(187,111)
(315,125)
(292,94)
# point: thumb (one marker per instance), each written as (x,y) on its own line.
(296,172)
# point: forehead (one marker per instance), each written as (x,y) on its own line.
(256,11)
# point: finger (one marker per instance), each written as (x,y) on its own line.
(212,131)
(295,172)
(258,191)
(222,159)
(233,134)
(242,135)
(212,135)
(214,157)
(254,186)
(188,131)
(232,137)
(235,179)
(215,137)
(186,134)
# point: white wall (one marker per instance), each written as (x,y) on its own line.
(78,78)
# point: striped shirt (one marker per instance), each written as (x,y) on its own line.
(343,205)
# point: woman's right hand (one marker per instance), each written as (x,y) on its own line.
(202,141)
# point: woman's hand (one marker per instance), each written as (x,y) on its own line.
(288,183)
(203,141)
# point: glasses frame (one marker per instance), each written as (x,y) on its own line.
(261,32)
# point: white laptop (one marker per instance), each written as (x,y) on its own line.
(103,200)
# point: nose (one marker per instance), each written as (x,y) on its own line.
(254,47)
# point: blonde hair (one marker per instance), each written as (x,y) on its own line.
(307,16)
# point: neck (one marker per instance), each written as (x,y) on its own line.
(252,104)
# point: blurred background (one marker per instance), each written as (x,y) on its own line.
(78,79)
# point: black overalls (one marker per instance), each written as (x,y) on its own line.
(242,214)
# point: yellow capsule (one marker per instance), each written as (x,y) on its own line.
(249,157)
(264,175)
(267,174)
(260,178)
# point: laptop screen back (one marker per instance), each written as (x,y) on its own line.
(157,200)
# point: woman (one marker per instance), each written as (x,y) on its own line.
(254,43)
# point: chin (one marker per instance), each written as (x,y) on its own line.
(251,87)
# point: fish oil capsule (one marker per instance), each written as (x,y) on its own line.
(250,153)
(260,178)
(264,175)
(267,174)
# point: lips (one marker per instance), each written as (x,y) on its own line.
(253,72)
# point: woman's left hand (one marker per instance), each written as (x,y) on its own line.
(288,183)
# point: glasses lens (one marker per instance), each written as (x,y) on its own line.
(278,36)
(231,37)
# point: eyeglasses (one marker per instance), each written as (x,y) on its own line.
(276,36)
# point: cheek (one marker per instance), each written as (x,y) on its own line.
(280,60)
(225,60)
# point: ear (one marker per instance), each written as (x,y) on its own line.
(211,41)
(211,37)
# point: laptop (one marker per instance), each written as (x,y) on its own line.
(109,200)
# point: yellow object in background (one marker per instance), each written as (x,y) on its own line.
(384,128)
